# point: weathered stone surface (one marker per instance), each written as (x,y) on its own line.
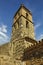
(23,37)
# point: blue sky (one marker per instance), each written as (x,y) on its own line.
(7,11)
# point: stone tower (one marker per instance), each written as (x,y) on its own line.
(22,33)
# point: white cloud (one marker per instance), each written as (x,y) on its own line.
(3,28)
(37,25)
(3,34)
(41,36)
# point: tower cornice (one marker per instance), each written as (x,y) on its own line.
(25,18)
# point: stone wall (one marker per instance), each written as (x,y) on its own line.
(4,49)
(5,57)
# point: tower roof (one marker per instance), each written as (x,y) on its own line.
(22,6)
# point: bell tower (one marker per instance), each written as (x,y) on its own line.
(22,32)
(23,25)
